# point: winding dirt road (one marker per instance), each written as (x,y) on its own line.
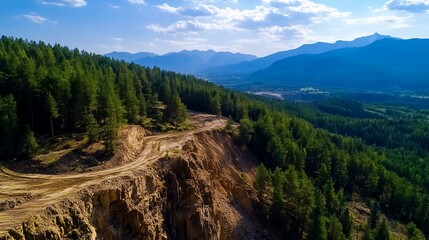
(42,190)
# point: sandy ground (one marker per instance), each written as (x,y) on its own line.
(31,193)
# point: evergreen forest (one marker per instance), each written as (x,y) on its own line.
(316,159)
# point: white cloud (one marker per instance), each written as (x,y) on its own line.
(180,26)
(212,1)
(137,2)
(259,13)
(227,14)
(35,18)
(64,3)
(414,6)
(187,27)
(270,13)
(209,17)
(277,24)
(113,6)
(277,35)
(316,12)
(198,11)
(392,21)
(117,39)
(247,41)
(167,8)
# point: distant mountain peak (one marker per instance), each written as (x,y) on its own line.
(314,48)
(186,61)
(197,51)
(366,39)
(129,57)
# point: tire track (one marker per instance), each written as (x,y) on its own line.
(50,189)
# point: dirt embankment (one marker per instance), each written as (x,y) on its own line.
(189,185)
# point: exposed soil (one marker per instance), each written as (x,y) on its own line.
(185,185)
(361,212)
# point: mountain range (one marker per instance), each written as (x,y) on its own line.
(375,62)
(185,61)
(130,57)
(385,64)
(316,48)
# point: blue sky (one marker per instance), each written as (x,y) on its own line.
(258,27)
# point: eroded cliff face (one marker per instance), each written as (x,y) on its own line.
(201,191)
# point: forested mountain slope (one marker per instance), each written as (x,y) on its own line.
(309,176)
(383,65)
(248,67)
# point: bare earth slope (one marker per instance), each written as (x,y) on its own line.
(187,185)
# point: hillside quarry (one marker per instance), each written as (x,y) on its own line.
(187,185)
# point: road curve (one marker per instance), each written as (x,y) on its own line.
(45,190)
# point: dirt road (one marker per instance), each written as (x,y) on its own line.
(41,191)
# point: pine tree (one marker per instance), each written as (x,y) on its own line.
(323,175)
(8,126)
(382,232)
(113,112)
(318,224)
(242,111)
(245,131)
(110,135)
(278,207)
(368,234)
(52,108)
(131,103)
(346,222)
(215,105)
(305,204)
(93,129)
(29,143)
(335,229)
(227,106)
(413,233)
(374,215)
(332,203)
(29,83)
(175,111)
(263,186)
(142,104)
(165,92)
(318,230)
(228,126)
(127,92)
(276,152)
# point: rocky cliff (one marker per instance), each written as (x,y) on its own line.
(202,190)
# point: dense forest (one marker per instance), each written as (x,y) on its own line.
(313,160)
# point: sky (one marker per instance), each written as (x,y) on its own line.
(259,27)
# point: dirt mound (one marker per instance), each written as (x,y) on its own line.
(130,145)
(187,185)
